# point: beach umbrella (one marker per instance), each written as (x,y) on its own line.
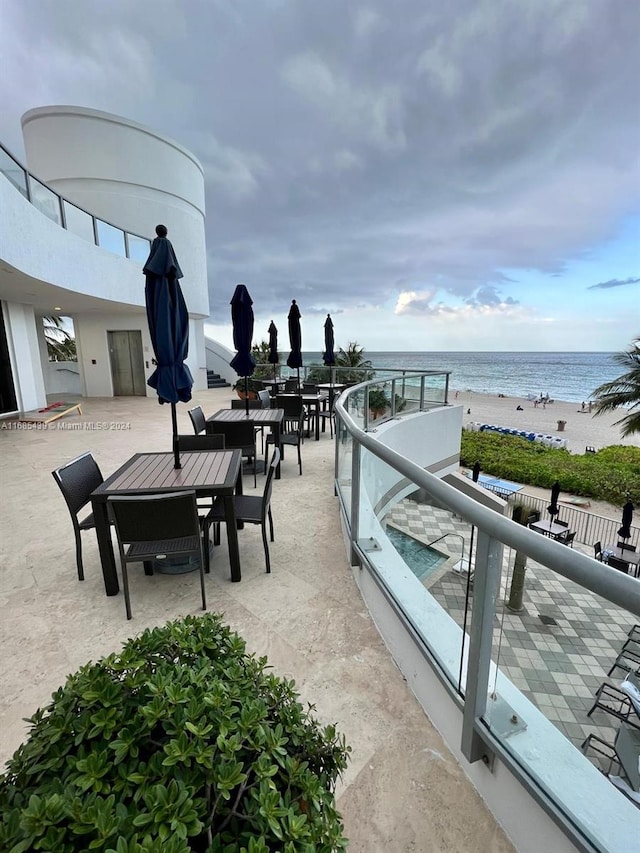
(627,518)
(295,338)
(553,509)
(328,356)
(168,328)
(273,346)
(242,320)
(476,472)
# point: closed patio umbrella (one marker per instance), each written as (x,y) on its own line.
(328,356)
(627,517)
(295,338)
(273,346)
(168,328)
(242,319)
(553,509)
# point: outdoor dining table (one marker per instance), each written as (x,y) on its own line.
(210,473)
(272,418)
(549,528)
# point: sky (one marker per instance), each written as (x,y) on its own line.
(436,176)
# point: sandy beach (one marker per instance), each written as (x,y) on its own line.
(582,429)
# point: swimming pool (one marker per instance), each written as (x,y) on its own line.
(421,559)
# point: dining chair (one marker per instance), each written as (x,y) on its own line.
(294,438)
(251,509)
(327,414)
(597,551)
(567,538)
(238,435)
(198,419)
(77,480)
(209,441)
(624,546)
(291,386)
(292,406)
(153,527)
(616,563)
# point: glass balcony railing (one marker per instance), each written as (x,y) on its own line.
(71,217)
(522,631)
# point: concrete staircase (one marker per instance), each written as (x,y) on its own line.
(214,380)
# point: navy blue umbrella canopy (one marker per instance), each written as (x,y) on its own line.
(242,319)
(168,327)
(273,346)
(328,356)
(627,518)
(295,338)
(553,508)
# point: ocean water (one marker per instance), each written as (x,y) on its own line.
(571,376)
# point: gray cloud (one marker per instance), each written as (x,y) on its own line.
(353,152)
(614,282)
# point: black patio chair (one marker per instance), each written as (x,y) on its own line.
(251,509)
(327,413)
(209,441)
(567,538)
(616,563)
(198,419)
(238,435)
(293,407)
(291,386)
(77,480)
(292,439)
(153,527)
(597,551)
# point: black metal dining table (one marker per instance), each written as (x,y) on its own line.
(549,528)
(272,418)
(624,554)
(210,473)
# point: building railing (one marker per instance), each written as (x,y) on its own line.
(71,216)
(498,723)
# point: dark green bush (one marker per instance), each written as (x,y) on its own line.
(609,475)
(182,742)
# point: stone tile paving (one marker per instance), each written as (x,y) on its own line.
(557,666)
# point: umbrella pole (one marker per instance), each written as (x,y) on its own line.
(246,394)
(176,446)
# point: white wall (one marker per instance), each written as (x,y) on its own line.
(218,359)
(127,175)
(24,350)
(63,377)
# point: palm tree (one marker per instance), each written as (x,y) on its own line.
(61,346)
(358,368)
(623,391)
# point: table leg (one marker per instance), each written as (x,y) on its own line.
(232,539)
(318,421)
(276,440)
(105,547)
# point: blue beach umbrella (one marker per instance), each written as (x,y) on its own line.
(168,328)
(242,319)
(295,338)
(273,347)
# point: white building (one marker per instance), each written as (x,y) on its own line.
(75,230)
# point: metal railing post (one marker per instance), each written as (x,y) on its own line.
(355,499)
(486,588)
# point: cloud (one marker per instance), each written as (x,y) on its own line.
(432,163)
(614,282)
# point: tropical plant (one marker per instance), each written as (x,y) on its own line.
(61,345)
(182,742)
(378,400)
(260,352)
(354,367)
(607,475)
(623,391)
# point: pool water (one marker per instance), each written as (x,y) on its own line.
(420,558)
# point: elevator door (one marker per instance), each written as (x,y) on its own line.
(127,363)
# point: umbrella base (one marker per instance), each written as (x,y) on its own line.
(176,565)
(247,467)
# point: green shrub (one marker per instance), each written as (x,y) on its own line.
(182,742)
(609,475)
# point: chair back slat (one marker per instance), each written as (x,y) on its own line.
(77,479)
(210,441)
(142,518)
(198,419)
